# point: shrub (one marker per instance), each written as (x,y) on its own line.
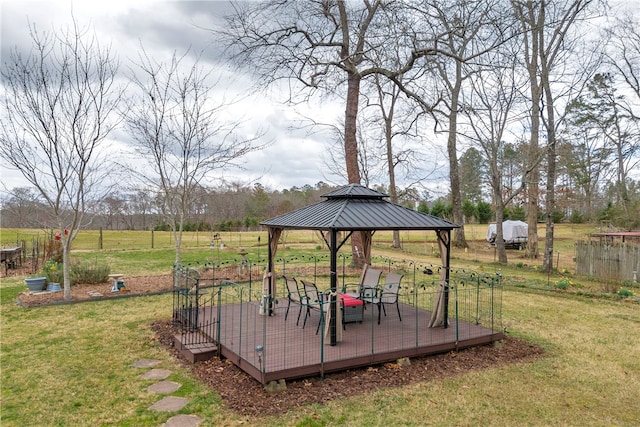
(564,283)
(483,212)
(576,217)
(53,270)
(89,272)
(515,213)
(468,209)
(625,293)
(53,250)
(557,215)
(439,209)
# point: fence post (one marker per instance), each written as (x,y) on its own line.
(218,321)
(457,318)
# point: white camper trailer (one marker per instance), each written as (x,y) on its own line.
(514,234)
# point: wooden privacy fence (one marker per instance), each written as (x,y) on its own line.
(609,261)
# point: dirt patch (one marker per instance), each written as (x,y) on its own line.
(140,285)
(234,385)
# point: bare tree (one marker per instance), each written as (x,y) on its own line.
(461,32)
(533,29)
(60,101)
(394,119)
(546,25)
(319,44)
(179,132)
(492,110)
(604,115)
(329,47)
(623,54)
(464,23)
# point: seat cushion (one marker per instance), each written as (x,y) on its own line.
(349,301)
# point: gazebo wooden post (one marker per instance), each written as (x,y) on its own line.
(334,286)
(274,236)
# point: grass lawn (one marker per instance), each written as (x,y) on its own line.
(69,365)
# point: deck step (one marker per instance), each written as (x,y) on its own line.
(194,352)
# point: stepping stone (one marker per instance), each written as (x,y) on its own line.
(170,404)
(145,363)
(156,374)
(164,387)
(183,421)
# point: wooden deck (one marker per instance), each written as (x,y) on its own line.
(291,351)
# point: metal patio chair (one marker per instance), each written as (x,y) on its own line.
(295,295)
(368,287)
(389,294)
(314,301)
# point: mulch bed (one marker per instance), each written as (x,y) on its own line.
(134,286)
(243,394)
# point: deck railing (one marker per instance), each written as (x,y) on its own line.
(230,313)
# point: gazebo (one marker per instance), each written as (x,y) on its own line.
(355,208)
(248,325)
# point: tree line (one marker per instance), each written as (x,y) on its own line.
(233,208)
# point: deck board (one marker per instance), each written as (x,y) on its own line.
(291,351)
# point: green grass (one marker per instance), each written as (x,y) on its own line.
(69,365)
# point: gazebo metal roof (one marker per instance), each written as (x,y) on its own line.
(355,207)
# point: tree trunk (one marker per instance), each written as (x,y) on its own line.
(500,245)
(388,132)
(350,141)
(534,176)
(351,154)
(66,273)
(496,185)
(533,30)
(459,240)
(551,178)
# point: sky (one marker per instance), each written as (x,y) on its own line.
(294,157)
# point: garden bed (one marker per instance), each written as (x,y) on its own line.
(134,286)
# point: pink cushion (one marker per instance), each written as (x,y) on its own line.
(349,301)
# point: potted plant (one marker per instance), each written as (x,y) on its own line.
(36,283)
(54,275)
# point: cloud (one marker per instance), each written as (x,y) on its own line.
(165,27)
(296,153)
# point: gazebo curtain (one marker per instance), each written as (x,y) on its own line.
(269,278)
(438,313)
